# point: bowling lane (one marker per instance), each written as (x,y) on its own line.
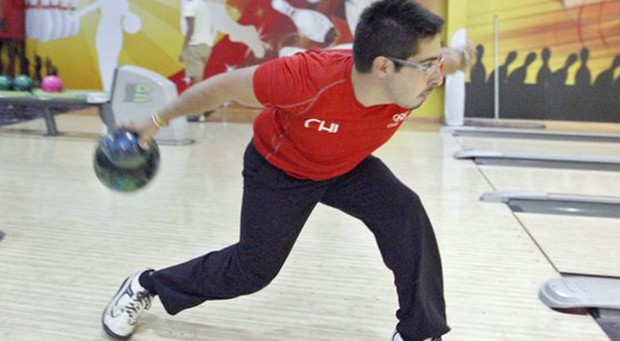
(548,180)
(583,245)
(560,181)
(573,244)
(541,146)
(60,220)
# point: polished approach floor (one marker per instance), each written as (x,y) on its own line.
(70,242)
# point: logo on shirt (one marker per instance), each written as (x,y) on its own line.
(397,119)
(319,125)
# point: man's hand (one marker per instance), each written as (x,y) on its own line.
(469,53)
(146,129)
(458,59)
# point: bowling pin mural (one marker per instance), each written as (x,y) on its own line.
(75,20)
(311,24)
(222,22)
(57,19)
(31,6)
(46,23)
(66,18)
(49,20)
(353,10)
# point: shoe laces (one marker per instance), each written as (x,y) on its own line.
(140,302)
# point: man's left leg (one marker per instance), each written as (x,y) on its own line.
(404,234)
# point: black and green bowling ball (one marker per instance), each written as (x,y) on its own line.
(6,83)
(22,83)
(125,177)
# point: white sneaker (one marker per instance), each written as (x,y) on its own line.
(120,316)
(396,337)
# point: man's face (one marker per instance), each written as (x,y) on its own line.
(419,75)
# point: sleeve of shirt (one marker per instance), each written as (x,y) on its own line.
(283,81)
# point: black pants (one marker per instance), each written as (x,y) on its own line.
(274,210)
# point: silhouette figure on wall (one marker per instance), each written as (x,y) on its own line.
(519,74)
(615,97)
(13,48)
(24,64)
(480,104)
(478,72)
(503,70)
(542,78)
(583,100)
(38,65)
(559,97)
(605,87)
(519,100)
(551,97)
(504,90)
(559,77)
(606,78)
(583,78)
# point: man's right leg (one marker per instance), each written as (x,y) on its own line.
(274,209)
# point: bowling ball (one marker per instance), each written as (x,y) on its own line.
(124,176)
(124,180)
(51,83)
(22,83)
(6,83)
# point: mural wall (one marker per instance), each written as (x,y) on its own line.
(558,59)
(86,39)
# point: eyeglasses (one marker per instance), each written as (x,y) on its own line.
(426,68)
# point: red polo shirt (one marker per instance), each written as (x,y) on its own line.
(312,126)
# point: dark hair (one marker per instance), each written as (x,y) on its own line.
(392,28)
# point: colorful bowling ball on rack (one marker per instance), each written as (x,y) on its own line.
(51,83)
(6,83)
(123,164)
(22,83)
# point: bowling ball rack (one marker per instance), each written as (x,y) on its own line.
(135,94)
(51,103)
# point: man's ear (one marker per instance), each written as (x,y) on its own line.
(382,67)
